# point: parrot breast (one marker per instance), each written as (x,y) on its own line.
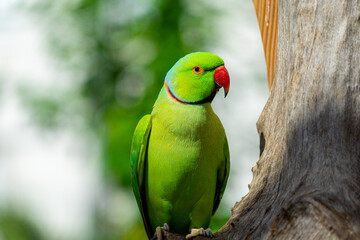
(185,150)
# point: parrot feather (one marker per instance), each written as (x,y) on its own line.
(137,164)
(223,175)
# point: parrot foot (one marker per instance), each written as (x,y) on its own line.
(159,231)
(199,232)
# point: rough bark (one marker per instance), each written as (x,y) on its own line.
(306,184)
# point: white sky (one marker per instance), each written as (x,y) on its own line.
(50,176)
(241,48)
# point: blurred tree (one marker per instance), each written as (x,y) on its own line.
(117,54)
(122,50)
(14,226)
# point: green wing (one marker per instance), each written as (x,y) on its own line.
(222,177)
(137,164)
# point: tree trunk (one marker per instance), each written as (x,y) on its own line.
(306,184)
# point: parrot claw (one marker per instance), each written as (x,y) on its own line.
(166,227)
(159,231)
(199,232)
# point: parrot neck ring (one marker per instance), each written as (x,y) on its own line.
(205,100)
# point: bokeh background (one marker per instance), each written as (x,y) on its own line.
(75,78)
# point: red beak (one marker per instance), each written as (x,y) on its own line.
(222,78)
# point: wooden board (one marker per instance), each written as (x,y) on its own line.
(267,15)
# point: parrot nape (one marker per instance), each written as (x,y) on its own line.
(180,156)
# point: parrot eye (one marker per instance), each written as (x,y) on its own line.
(197,70)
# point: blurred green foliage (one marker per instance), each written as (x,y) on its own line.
(43,109)
(122,50)
(15,226)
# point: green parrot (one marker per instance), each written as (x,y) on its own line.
(180,156)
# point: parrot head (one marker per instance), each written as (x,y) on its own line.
(196,78)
